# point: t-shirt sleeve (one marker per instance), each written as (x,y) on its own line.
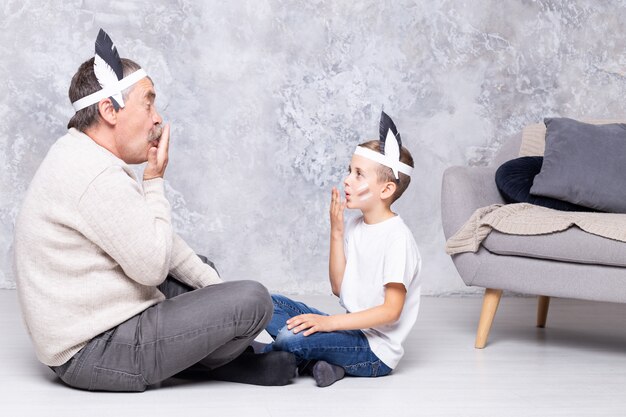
(402,261)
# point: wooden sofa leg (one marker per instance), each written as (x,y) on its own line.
(491,300)
(542,310)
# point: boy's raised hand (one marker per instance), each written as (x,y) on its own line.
(336,213)
(337,257)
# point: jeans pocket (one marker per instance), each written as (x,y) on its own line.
(62,370)
(380,369)
(360,369)
(104,379)
(368,369)
(71,372)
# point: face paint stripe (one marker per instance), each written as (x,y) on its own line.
(365,197)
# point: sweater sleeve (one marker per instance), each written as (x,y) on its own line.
(132,227)
(187,267)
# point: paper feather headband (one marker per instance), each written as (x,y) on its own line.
(390,145)
(108,69)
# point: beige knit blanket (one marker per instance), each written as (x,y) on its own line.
(529,219)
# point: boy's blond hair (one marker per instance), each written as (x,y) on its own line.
(385,174)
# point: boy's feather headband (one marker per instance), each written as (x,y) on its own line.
(108,69)
(390,145)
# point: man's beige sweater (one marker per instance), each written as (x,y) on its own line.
(91,245)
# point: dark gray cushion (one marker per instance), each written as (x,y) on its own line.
(584,164)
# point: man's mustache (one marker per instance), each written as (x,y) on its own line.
(155,133)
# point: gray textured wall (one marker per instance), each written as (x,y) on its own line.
(268,99)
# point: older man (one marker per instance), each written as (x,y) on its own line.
(112,297)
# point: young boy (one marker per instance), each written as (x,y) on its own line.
(374,268)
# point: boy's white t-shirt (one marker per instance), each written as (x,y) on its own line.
(378,254)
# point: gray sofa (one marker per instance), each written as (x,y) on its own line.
(568,264)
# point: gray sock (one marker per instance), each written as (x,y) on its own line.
(326,374)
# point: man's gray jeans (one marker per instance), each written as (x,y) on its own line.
(210,326)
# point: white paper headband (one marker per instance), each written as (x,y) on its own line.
(385,160)
(111,90)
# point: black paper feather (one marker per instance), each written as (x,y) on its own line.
(108,66)
(385,124)
(108,52)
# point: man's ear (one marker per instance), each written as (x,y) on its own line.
(107,111)
(388,190)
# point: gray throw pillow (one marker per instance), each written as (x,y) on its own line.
(584,164)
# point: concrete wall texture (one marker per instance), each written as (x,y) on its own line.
(268,98)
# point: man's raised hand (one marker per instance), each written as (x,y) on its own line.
(158,156)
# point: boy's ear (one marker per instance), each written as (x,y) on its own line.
(107,111)
(388,190)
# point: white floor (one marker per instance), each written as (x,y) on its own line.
(574,367)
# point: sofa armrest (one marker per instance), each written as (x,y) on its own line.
(463,190)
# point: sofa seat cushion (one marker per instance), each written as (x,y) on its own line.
(572,245)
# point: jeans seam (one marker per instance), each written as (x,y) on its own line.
(303,352)
(193,333)
(291,307)
(287,306)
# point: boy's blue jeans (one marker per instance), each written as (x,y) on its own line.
(347,348)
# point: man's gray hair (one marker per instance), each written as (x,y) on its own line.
(84,82)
